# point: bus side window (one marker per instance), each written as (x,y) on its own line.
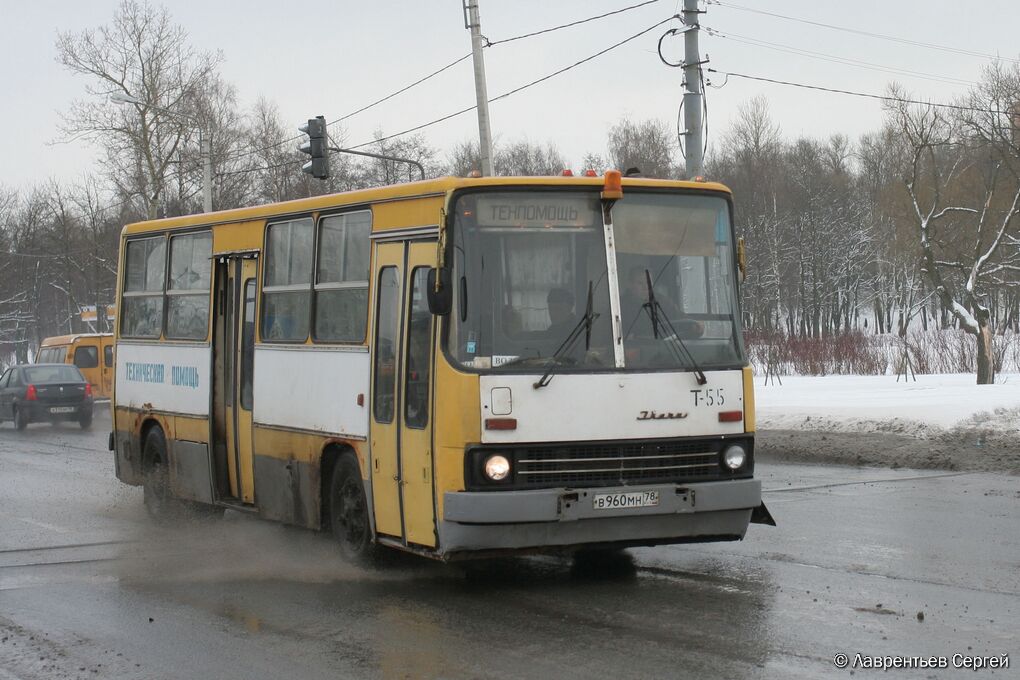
(86,357)
(187,316)
(142,302)
(286,290)
(108,356)
(248,344)
(419,340)
(341,280)
(387,315)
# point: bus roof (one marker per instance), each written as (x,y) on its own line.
(69,339)
(431,187)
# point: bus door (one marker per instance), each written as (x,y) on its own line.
(106,347)
(401,426)
(233,362)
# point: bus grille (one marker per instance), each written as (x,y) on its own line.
(617,464)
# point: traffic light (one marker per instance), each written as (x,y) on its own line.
(317,147)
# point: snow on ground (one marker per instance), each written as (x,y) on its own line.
(854,403)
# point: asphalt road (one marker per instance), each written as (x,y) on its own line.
(870,561)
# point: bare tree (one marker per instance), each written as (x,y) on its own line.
(524,158)
(649,146)
(594,161)
(464,159)
(140,54)
(378,172)
(965,198)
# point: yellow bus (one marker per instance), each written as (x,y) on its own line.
(454,367)
(92,353)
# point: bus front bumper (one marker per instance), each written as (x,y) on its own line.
(563,518)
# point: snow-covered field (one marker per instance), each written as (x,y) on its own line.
(855,403)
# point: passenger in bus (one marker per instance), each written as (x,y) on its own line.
(511,319)
(560,304)
(637,322)
(418,370)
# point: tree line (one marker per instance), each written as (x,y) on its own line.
(909,226)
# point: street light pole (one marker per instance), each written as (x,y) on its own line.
(204,143)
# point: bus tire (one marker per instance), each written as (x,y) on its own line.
(348,512)
(20,418)
(156,493)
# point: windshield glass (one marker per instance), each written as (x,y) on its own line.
(523,263)
(681,243)
(53,374)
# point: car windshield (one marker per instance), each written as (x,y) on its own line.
(53,374)
(524,262)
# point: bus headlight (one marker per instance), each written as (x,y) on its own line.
(734,457)
(496,467)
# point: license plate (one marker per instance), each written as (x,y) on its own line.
(630,499)
(62,409)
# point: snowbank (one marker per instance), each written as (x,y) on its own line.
(853,403)
(943,422)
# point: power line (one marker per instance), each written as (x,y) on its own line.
(846,61)
(275,145)
(880,36)
(261,168)
(401,90)
(522,87)
(900,100)
(436,73)
(491,43)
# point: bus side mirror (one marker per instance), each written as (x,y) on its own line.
(440,291)
(741,259)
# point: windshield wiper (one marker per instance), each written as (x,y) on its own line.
(584,324)
(658,317)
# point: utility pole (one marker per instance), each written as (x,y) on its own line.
(473,22)
(206,145)
(692,92)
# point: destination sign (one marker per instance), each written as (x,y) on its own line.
(529,210)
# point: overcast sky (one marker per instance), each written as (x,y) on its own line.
(333,57)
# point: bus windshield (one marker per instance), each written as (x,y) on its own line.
(526,264)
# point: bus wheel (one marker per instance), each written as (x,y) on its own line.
(348,512)
(159,501)
(20,418)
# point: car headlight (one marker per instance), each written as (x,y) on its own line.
(496,467)
(734,457)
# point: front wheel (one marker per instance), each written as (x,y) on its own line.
(348,512)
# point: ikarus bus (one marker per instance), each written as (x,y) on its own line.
(455,367)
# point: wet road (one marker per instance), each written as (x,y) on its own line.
(89,588)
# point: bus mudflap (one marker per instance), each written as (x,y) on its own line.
(761,515)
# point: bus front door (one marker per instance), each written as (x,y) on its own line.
(234,347)
(401,427)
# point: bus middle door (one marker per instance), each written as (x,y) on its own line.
(234,349)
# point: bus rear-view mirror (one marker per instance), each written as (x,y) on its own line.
(440,291)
